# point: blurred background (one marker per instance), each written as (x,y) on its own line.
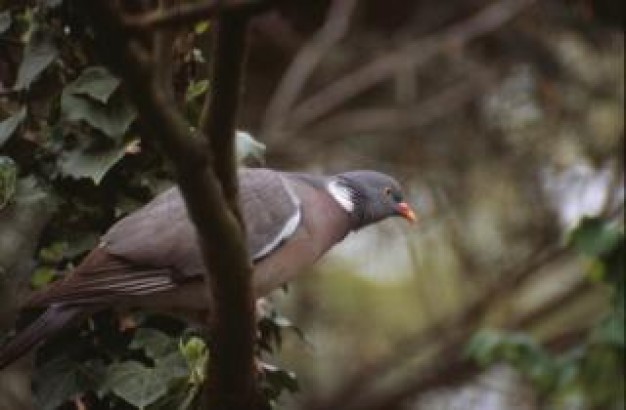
(504,120)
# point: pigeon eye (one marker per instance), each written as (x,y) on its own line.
(388,191)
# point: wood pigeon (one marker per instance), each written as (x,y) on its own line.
(151,258)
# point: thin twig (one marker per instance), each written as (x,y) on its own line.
(394,119)
(415,53)
(186,13)
(448,365)
(304,64)
(452,331)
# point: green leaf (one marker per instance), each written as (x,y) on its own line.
(113,119)
(201,27)
(53,253)
(8,180)
(57,382)
(195,353)
(5,21)
(249,148)
(172,366)
(61,379)
(281,378)
(594,236)
(95,82)
(42,276)
(38,54)
(94,165)
(155,343)
(611,331)
(9,125)
(135,383)
(482,346)
(196,89)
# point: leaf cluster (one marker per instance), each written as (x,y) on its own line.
(66,123)
(590,374)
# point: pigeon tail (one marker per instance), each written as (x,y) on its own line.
(54,319)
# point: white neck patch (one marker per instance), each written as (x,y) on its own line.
(341,194)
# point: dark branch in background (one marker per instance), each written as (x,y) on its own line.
(186,14)
(448,366)
(304,64)
(411,55)
(211,201)
(392,119)
(453,331)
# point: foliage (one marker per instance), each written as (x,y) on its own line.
(585,375)
(67,124)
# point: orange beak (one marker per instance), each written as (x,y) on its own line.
(407,213)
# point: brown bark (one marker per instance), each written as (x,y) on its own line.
(206,173)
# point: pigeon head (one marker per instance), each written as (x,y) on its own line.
(369,196)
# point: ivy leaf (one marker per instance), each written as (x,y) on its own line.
(275,380)
(8,180)
(135,383)
(196,89)
(5,21)
(95,82)
(20,225)
(196,355)
(94,165)
(8,126)
(61,379)
(611,330)
(201,27)
(594,237)
(156,344)
(172,366)
(482,346)
(249,148)
(113,119)
(42,276)
(38,54)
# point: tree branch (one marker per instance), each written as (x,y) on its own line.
(413,54)
(206,175)
(186,14)
(234,324)
(303,65)
(451,334)
(449,366)
(218,120)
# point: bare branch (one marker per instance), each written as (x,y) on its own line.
(207,178)
(303,65)
(448,366)
(190,13)
(414,54)
(452,332)
(396,119)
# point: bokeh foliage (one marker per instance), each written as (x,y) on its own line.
(589,374)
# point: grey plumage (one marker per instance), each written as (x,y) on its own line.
(151,258)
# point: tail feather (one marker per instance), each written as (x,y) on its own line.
(54,319)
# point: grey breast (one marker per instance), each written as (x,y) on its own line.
(161,234)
